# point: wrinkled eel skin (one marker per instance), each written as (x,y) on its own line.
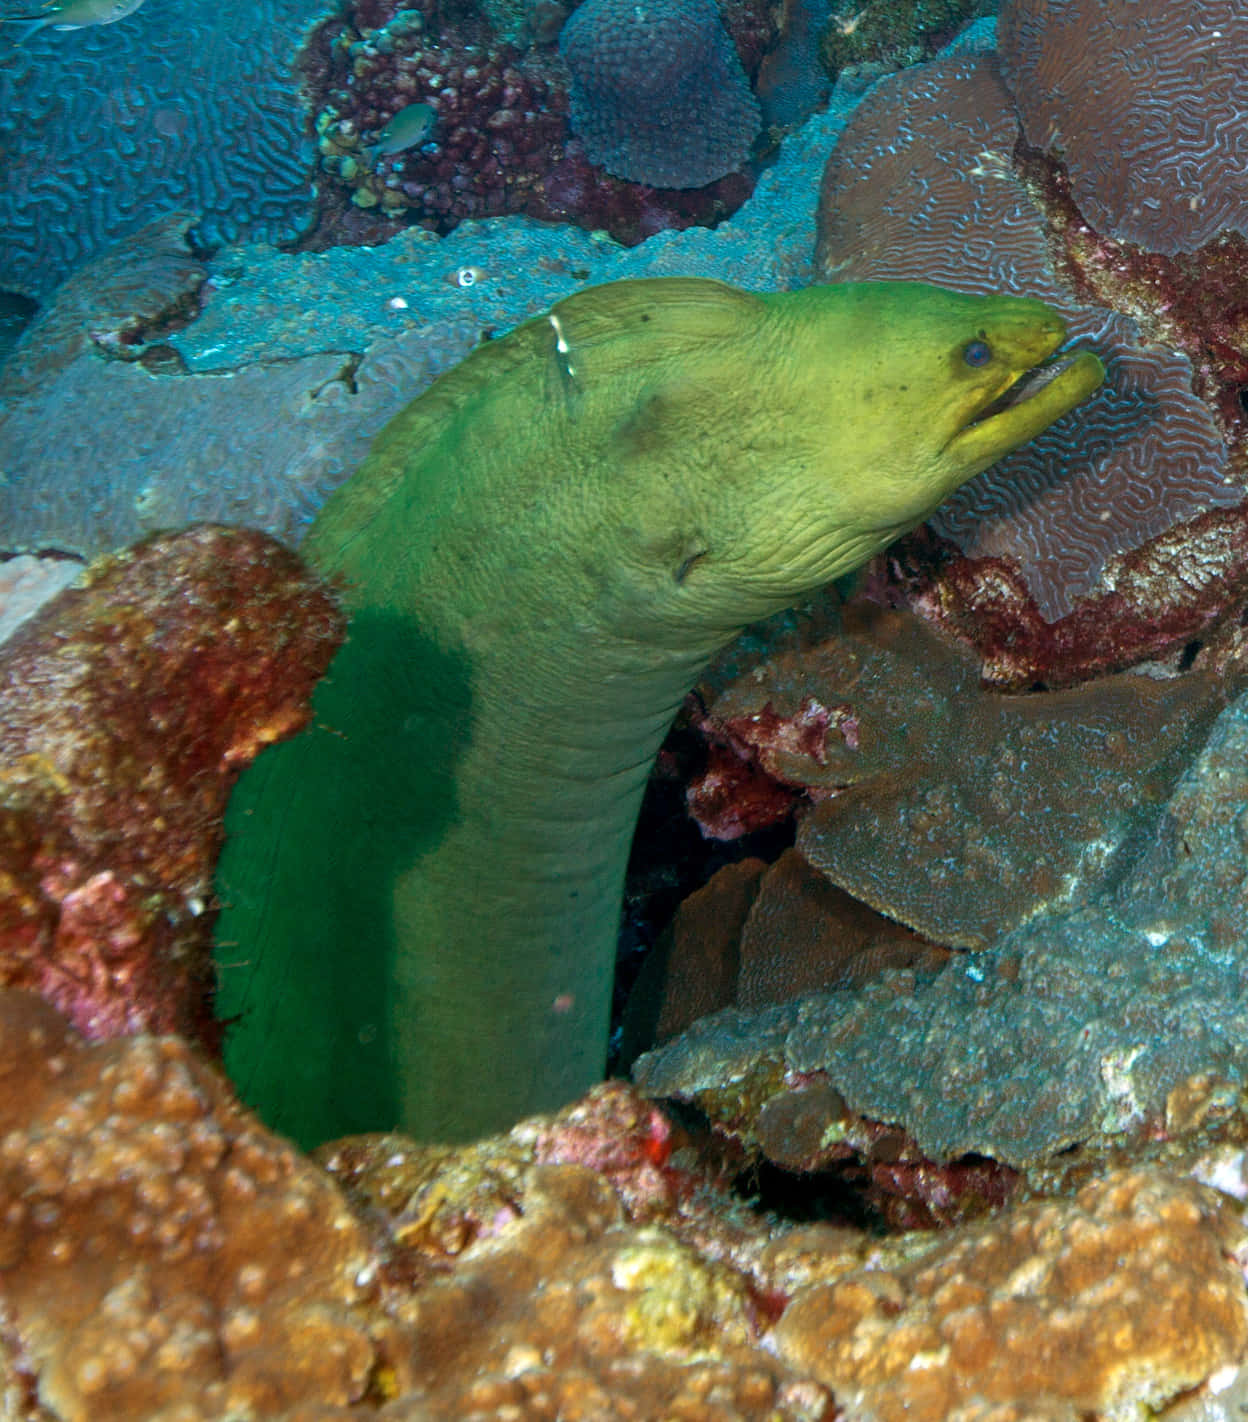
(421,891)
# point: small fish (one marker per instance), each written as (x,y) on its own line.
(74,15)
(405,130)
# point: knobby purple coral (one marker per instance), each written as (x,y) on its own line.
(658,93)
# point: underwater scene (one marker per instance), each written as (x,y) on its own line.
(623,710)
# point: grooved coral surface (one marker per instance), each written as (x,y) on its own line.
(921,187)
(1107,1304)
(658,92)
(158,1248)
(104,128)
(1143,100)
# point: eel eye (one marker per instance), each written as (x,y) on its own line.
(977,353)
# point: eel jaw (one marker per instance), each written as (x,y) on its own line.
(1028,404)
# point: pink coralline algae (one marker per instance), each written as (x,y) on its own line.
(1143,100)
(499,125)
(929,181)
(658,92)
(127,706)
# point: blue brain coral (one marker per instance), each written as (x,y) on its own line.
(187,107)
(658,93)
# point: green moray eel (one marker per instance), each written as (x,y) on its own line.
(420,892)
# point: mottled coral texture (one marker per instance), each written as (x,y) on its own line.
(957,812)
(158,1248)
(1119,1299)
(105,436)
(658,92)
(1143,100)
(922,185)
(1119,1023)
(106,127)
(127,706)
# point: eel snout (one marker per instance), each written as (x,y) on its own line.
(1029,404)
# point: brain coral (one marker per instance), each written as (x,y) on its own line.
(922,186)
(1143,100)
(658,92)
(103,128)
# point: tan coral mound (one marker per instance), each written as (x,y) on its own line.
(160,1253)
(1118,1299)
(164,1258)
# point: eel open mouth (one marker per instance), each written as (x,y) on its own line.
(1029,404)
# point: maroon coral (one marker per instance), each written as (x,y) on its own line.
(1143,100)
(127,706)
(658,92)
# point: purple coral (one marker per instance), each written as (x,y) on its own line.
(1143,100)
(923,185)
(658,92)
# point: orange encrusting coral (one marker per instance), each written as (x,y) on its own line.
(1121,1298)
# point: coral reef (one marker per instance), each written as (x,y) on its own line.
(105,127)
(879,37)
(757,934)
(1111,1024)
(921,185)
(499,123)
(500,140)
(1143,104)
(118,304)
(311,353)
(161,1253)
(1041,1312)
(641,77)
(151,446)
(129,704)
(957,812)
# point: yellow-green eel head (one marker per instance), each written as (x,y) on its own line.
(421,891)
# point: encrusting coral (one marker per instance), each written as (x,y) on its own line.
(127,706)
(160,1253)
(957,812)
(1055,1309)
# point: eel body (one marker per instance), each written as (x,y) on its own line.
(420,892)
